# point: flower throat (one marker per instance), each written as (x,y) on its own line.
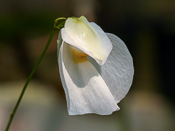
(78,56)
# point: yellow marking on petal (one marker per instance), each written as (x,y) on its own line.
(78,53)
(78,57)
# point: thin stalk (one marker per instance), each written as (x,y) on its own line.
(28,80)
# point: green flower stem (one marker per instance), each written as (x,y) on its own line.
(28,80)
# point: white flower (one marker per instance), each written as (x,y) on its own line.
(96,68)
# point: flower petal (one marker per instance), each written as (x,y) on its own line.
(88,37)
(107,45)
(118,70)
(86,91)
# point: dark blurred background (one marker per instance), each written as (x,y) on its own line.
(147,28)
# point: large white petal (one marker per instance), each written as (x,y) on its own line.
(91,39)
(118,70)
(86,91)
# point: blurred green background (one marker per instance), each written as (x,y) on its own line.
(147,28)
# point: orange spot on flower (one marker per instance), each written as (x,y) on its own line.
(78,57)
